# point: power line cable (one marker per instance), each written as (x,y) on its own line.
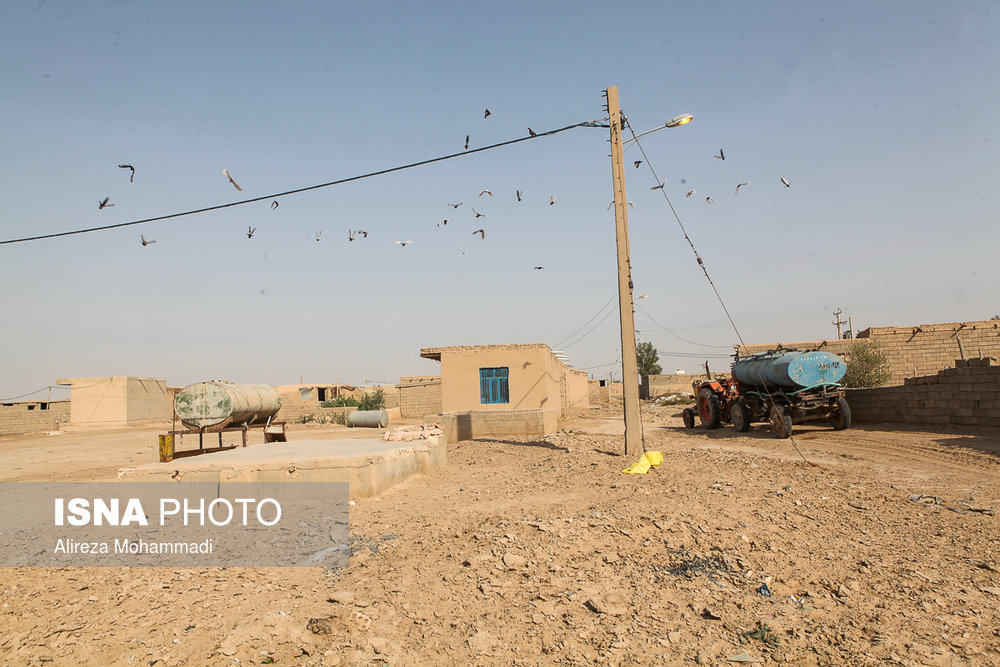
(704,269)
(613,297)
(591,329)
(675,334)
(14,398)
(537,135)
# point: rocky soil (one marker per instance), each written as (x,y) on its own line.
(859,547)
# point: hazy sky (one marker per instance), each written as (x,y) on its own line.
(883,116)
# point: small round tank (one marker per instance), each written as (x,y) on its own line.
(220,404)
(370,418)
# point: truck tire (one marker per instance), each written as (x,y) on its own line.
(781,421)
(840,415)
(709,409)
(740,417)
(688,416)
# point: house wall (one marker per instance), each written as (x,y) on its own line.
(578,388)
(967,395)
(914,351)
(147,399)
(597,395)
(121,400)
(419,396)
(32,416)
(533,379)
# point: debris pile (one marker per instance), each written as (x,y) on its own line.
(410,433)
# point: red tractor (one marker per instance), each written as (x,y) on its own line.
(783,387)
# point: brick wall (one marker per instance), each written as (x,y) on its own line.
(32,416)
(914,351)
(419,396)
(497,424)
(968,395)
(661,385)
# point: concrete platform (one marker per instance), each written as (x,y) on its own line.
(369,465)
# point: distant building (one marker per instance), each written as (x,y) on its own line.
(507,389)
(118,400)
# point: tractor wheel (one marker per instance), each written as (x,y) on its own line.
(781,421)
(840,415)
(740,417)
(688,416)
(709,409)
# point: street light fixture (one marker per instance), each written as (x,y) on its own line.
(676,121)
(626,305)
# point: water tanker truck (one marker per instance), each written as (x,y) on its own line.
(783,387)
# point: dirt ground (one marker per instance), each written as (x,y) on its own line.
(529,551)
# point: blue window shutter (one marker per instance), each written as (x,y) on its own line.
(493,386)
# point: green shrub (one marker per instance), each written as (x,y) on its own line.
(340,402)
(372,401)
(867,366)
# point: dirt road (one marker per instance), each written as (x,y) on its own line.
(539,551)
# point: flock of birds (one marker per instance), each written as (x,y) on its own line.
(709,199)
(353,235)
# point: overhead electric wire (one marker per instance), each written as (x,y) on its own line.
(677,335)
(590,330)
(536,135)
(14,398)
(613,297)
(704,268)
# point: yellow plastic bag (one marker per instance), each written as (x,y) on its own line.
(646,460)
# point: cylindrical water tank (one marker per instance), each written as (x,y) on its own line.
(220,404)
(789,370)
(371,418)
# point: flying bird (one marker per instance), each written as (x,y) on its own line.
(128,166)
(103,203)
(689,193)
(478,214)
(552,200)
(464,250)
(486,192)
(350,235)
(637,163)
(403,243)
(481,232)
(487,114)
(225,172)
(444,222)
(454,205)
(466,142)
(660,186)
(720,156)
(539,268)
(274,204)
(363,233)
(145,242)
(250,231)
(532,132)
(518,193)
(740,186)
(709,200)
(318,234)
(784,181)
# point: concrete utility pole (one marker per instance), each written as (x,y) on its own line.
(626,311)
(839,322)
